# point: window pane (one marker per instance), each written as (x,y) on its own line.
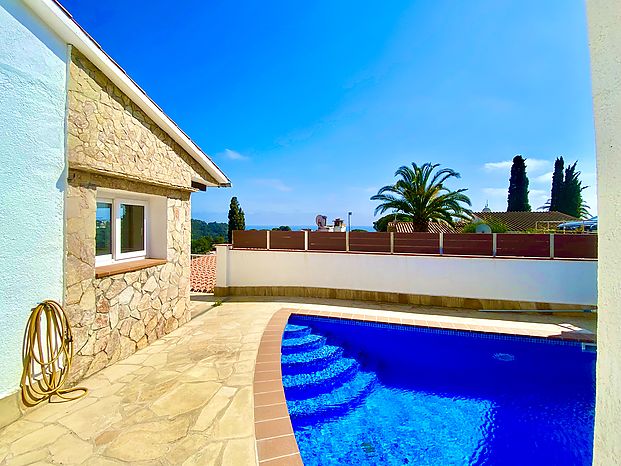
(103,229)
(132,228)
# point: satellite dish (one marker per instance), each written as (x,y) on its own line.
(483,228)
(321,221)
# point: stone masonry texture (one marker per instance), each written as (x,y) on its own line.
(109,133)
(114,145)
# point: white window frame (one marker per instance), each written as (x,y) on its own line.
(106,258)
(117,255)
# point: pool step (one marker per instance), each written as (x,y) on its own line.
(336,402)
(310,361)
(310,384)
(306,343)
(296,331)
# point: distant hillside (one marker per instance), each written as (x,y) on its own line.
(211,229)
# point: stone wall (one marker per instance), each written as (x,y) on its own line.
(109,133)
(112,317)
(112,144)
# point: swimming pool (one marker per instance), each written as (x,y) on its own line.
(370,393)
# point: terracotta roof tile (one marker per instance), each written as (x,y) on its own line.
(523,221)
(515,221)
(203,273)
(408,227)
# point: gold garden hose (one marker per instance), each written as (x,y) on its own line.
(47,355)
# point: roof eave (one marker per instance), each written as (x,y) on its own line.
(60,21)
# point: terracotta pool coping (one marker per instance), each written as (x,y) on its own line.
(275,440)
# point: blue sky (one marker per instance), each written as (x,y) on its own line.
(309,107)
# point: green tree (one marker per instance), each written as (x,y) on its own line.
(202,245)
(381,224)
(237,220)
(421,194)
(211,229)
(495,225)
(282,228)
(571,201)
(557,184)
(517,201)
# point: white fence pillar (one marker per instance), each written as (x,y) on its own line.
(222,265)
(551,245)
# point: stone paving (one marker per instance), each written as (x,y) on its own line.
(185,399)
(188,397)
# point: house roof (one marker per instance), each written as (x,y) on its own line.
(59,20)
(514,221)
(408,227)
(523,221)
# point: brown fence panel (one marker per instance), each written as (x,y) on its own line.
(468,244)
(575,246)
(326,241)
(527,245)
(286,239)
(417,243)
(250,239)
(369,241)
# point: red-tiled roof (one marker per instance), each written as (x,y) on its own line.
(514,221)
(408,227)
(203,273)
(523,221)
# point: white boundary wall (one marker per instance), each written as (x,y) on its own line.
(533,280)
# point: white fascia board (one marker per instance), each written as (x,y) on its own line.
(59,21)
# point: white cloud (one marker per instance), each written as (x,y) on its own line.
(234,155)
(492,166)
(533,166)
(273,183)
(545,178)
(537,165)
(496,192)
(537,198)
(538,192)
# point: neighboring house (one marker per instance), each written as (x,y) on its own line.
(514,221)
(524,221)
(434,227)
(95,199)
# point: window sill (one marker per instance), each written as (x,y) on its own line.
(103,271)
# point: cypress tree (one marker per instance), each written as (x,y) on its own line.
(517,200)
(557,184)
(237,220)
(571,201)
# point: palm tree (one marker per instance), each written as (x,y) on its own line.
(420,194)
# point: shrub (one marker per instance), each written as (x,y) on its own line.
(496,226)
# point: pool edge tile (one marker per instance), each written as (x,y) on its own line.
(274,437)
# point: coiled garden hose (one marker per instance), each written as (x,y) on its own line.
(47,355)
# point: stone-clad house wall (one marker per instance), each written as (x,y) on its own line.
(113,145)
(109,133)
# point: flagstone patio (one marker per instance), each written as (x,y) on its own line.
(188,398)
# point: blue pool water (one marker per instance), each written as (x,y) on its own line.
(378,394)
